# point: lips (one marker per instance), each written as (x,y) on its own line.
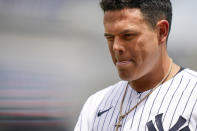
(121,63)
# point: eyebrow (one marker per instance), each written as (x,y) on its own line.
(107,34)
(122,32)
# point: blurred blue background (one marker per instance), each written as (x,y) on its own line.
(53,56)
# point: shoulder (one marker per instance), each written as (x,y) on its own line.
(98,96)
(190,97)
(189,76)
(94,100)
(190,73)
(90,107)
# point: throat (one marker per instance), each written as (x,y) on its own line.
(142,86)
(151,80)
(146,83)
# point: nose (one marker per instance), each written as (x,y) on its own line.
(118,46)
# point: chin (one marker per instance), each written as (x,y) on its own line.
(125,76)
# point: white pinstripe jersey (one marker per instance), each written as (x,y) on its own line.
(171,107)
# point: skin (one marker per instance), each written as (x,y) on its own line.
(138,50)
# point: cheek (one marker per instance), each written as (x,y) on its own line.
(143,50)
(138,49)
(148,51)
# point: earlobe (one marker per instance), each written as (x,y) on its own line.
(163,30)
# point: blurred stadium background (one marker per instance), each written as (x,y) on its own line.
(53,56)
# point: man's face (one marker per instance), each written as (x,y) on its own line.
(133,43)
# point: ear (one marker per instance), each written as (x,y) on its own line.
(163,30)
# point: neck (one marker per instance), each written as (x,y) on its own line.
(153,77)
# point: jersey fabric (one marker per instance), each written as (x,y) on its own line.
(171,107)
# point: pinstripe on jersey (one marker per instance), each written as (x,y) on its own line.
(172,106)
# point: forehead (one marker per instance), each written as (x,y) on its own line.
(133,14)
(123,18)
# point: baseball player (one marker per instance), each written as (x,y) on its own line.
(155,94)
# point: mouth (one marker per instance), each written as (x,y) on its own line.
(121,63)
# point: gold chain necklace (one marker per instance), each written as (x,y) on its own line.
(121,117)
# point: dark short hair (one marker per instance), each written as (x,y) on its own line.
(152,10)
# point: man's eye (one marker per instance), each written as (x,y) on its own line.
(110,38)
(127,35)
